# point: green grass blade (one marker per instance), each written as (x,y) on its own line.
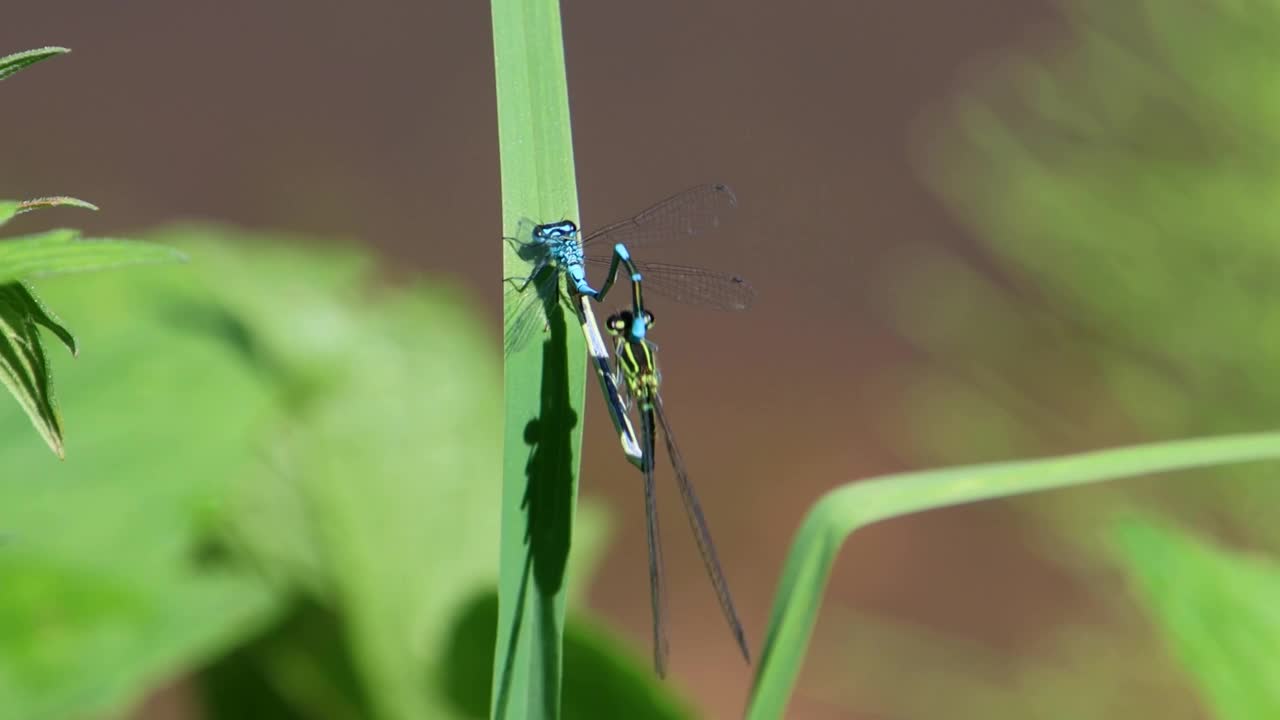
(852,506)
(545,381)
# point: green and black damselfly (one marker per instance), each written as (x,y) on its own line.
(637,365)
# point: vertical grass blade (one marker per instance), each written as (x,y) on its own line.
(545,381)
(845,509)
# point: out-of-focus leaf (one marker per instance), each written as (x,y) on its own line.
(335,437)
(58,252)
(10,64)
(104,594)
(298,670)
(1121,182)
(603,677)
(1218,611)
(1124,181)
(402,498)
(378,495)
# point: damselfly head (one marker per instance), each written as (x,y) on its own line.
(555,231)
(619,322)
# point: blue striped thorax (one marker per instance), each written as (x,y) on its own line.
(565,251)
(561,239)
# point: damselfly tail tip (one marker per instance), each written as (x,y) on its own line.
(746,294)
(660,664)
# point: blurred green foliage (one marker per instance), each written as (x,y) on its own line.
(879,666)
(1119,188)
(1214,609)
(284,479)
(1121,191)
(1218,611)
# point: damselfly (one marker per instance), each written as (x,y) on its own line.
(636,362)
(555,248)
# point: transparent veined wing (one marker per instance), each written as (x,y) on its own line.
(694,286)
(523,304)
(698,523)
(524,311)
(657,591)
(681,216)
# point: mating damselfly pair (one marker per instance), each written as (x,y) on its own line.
(558,248)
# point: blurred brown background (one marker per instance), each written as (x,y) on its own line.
(376,121)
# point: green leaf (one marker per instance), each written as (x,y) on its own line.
(57,252)
(12,208)
(106,591)
(275,416)
(399,501)
(544,382)
(54,201)
(378,498)
(299,669)
(856,505)
(603,676)
(24,368)
(26,298)
(1218,611)
(10,64)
